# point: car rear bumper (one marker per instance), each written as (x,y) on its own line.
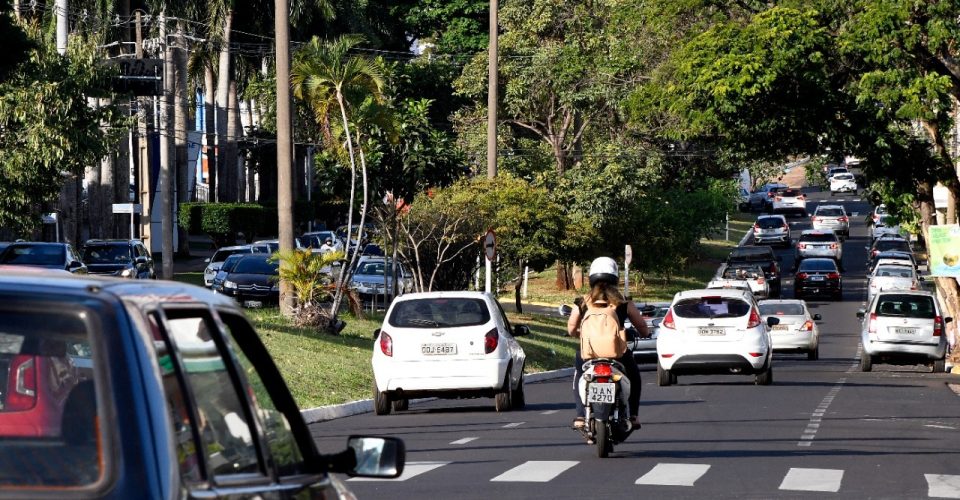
(712,356)
(787,342)
(770,238)
(817,288)
(711,364)
(905,351)
(439,375)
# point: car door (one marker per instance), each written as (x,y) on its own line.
(506,333)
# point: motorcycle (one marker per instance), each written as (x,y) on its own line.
(605,391)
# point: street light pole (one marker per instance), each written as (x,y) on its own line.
(492,94)
(284,145)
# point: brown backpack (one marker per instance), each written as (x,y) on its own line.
(601,335)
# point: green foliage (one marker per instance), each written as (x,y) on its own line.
(452,26)
(222,221)
(308,273)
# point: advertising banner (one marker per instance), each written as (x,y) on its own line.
(945,251)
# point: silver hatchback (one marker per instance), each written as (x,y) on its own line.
(771,230)
(903,327)
(832,218)
(823,244)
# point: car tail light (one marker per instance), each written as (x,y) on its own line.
(770,194)
(756,354)
(490,341)
(754,320)
(802,276)
(843,219)
(872,325)
(786,227)
(668,321)
(22,384)
(814,218)
(760,281)
(833,276)
(668,356)
(874,253)
(779,198)
(801,246)
(802,197)
(807,326)
(833,246)
(876,218)
(386,344)
(937,326)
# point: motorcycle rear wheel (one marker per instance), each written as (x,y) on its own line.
(602,437)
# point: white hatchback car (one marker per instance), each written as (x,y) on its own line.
(714,332)
(797,330)
(216,261)
(843,183)
(447,345)
(790,200)
(887,277)
(903,327)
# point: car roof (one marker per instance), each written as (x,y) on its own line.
(118,241)
(235,247)
(714,292)
(783,301)
(771,216)
(442,295)
(817,259)
(830,206)
(37,244)
(817,232)
(922,293)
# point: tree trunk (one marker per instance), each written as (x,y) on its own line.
(227,186)
(181,124)
(341,282)
(564,276)
(235,131)
(94,204)
(209,128)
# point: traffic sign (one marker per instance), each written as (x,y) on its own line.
(127,208)
(490,245)
(628,254)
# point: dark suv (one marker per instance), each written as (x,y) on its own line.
(123,258)
(764,257)
(152,389)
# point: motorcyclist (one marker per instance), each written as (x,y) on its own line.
(604,278)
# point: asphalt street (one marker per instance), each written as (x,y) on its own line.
(823,429)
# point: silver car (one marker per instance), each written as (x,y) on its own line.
(797,330)
(903,327)
(892,277)
(771,230)
(216,261)
(831,218)
(824,244)
(653,314)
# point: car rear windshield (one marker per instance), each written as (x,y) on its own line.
(34,255)
(819,238)
(439,312)
(106,254)
(817,265)
(256,266)
(907,306)
(787,309)
(885,245)
(830,212)
(770,222)
(894,271)
(843,177)
(790,192)
(49,432)
(711,307)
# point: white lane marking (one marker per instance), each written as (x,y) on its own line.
(411,469)
(514,424)
(535,471)
(812,480)
(943,486)
(674,474)
(549,412)
(934,426)
(464,440)
(813,425)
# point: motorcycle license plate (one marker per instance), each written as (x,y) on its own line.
(600,393)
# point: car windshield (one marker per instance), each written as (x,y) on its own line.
(817,265)
(894,272)
(106,254)
(830,212)
(256,266)
(221,255)
(818,238)
(439,312)
(883,245)
(752,254)
(34,255)
(49,436)
(770,222)
(230,263)
(908,306)
(781,309)
(371,268)
(711,307)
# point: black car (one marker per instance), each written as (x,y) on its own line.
(764,257)
(153,389)
(888,245)
(123,258)
(817,276)
(254,280)
(46,255)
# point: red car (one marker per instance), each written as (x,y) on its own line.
(36,377)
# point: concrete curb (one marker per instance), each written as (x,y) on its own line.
(331,412)
(746,237)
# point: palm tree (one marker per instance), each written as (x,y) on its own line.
(325,74)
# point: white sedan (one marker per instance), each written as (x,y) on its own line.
(447,345)
(797,330)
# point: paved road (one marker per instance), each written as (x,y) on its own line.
(823,429)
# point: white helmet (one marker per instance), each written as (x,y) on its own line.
(604,269)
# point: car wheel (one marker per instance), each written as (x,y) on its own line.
(401,405)
(940,365)
(866,362)
(502,399)
(664,377)
(814,354)
(765,377)
(381,401)
(518,399)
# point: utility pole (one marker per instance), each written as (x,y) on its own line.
(284,146)
(492,94)
(166,190)
(63,26)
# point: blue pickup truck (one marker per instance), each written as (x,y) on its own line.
(118,389)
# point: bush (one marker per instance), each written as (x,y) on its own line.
(222,221)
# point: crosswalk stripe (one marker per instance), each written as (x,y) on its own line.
(943,486)
(535,471)
(410,470)
(812,480)
(674,474)
(465,440)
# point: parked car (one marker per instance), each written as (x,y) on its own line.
(818,276)
(790,200)
(372,278)
(3,245)
(892,257)
(903,327)
(762,198)
(797,330)
(878,212)
(772,230)
(214,263)
(123,258)
(892,277)
(752,274)
(882,227)
(224,270)
(46,255)
(254,281)
(814,243)
(744,204)
(266,246)
(179,398)
(714,332)
(645,350)
(831,218)
(763,256)
(315,239)
(448,345)
(843,183)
